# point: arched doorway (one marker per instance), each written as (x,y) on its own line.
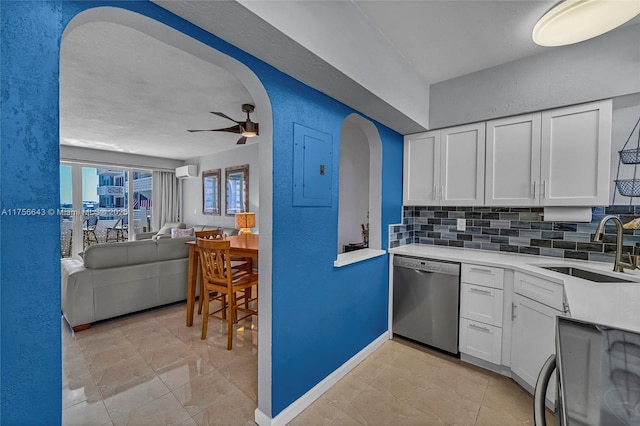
(263,115)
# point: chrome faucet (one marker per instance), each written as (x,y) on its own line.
(618,264)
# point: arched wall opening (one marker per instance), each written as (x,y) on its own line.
(360,187)
(263,115)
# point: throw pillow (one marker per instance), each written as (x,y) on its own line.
(180,233)
(166,228)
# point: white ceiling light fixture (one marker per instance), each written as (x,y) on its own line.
(573,21)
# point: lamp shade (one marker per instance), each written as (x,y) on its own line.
(573,21)
(245,220)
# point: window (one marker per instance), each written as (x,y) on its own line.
(107,194)
(66,211)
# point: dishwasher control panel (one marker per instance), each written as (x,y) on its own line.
(427,265)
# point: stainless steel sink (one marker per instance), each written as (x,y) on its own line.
(586,275)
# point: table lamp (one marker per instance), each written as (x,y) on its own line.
(245,221)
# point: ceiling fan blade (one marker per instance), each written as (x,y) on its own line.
(223,115)
(242,140)
(232,129)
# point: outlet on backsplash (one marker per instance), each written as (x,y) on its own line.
(461,225)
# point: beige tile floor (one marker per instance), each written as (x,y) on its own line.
(150,369)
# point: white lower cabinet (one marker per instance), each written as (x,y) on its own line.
(532,340)
(536,304)
(481,340)
(481,312)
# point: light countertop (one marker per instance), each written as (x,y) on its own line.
(612,304)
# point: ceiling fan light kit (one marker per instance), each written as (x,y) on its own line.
(250,129)
(573,21)
(247,128)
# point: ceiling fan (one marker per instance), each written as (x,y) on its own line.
(247,129)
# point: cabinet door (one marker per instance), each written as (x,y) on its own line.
(513,161)
(462,164)
(421,171)
(532,340)
(575,157)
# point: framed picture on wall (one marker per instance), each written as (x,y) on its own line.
(211,192)
(236,189)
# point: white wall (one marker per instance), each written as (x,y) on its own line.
(601,68)
(192,188)
(326,28)
(354,184)
(626,112)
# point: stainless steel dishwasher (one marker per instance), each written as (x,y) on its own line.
(426,299)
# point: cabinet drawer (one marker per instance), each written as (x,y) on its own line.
(482,275)
(546,292)
(482,304)
(481,340)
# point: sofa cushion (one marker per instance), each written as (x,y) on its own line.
(110,255)
(172,248)
(230,231)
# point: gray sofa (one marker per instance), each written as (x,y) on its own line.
(115,279)
(165,231)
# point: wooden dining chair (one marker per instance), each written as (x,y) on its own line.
(210,235)
(213,234)
(218,276)
(237,263)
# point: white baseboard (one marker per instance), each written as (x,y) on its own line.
(500,369)
(299,405)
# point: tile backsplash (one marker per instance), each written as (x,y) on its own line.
(515,230)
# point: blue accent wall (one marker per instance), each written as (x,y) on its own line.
(322,315)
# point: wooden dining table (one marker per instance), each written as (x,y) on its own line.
(245,245)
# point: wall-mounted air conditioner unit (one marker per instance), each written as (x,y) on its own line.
(188,171)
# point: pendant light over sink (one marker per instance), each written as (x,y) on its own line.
(573,21)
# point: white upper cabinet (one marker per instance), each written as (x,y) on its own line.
(445,167)
(421,171)
(513,161)
(558,157)
(462,165)
(576,153)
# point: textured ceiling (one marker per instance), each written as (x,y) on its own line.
(124,91)
(121,90)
